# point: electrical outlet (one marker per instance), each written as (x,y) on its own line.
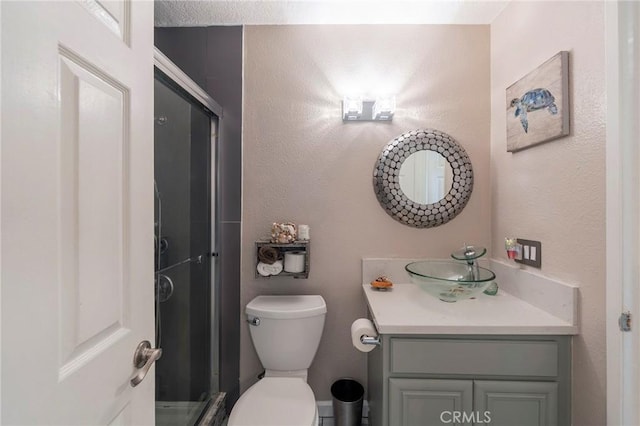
(531,253)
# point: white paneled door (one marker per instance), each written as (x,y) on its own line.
(77,211)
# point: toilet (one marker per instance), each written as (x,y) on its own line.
(286,332)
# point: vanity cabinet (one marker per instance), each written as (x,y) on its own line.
(470,380)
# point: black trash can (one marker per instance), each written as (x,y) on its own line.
(347,402)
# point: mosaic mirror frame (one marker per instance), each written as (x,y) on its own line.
(386,179)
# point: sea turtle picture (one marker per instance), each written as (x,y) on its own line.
(544,88)
(533,100)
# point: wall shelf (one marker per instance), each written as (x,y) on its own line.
(302,246)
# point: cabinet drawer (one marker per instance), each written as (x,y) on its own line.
(486,357)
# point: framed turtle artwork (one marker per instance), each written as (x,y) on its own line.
(538,105)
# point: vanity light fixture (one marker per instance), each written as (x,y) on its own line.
(352,108)
(384,108)
(356,108)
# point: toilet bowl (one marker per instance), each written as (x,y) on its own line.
(286,332)
(276,401)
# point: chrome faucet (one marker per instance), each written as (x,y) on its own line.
(470,254)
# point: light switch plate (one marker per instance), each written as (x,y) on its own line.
(531,253)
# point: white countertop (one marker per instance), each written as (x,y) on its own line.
(407,309)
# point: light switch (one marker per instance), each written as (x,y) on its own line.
(531,253)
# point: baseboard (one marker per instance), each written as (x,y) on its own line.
(325,408)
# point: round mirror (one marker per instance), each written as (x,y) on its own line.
(425,177)
(424,190)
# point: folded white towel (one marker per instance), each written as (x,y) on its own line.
(266,270)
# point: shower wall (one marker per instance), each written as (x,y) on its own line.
(182,173)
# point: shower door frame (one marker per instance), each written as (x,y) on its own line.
(185,83)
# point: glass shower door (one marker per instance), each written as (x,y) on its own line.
(186,375)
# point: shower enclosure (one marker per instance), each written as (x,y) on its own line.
(187,384)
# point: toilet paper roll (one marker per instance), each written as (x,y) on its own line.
(294,261)
(362,327)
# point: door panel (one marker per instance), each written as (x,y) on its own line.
(92,192)
(77,211)
(517,403)
(114,15)
(428,402)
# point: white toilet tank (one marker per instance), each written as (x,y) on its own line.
(289,330)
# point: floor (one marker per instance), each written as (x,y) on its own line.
(330,421)
(325,411)
(326,415)
(324,421)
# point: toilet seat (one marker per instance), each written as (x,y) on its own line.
(276,401)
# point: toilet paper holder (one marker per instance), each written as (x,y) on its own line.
(368,340)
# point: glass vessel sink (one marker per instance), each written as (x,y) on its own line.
(448,280)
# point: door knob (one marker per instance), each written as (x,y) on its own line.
(143,358)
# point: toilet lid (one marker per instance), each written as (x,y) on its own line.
(275,401)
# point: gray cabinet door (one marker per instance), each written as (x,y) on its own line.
(428,402)
(510,403)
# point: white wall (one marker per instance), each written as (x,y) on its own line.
(555,192)
(301,163)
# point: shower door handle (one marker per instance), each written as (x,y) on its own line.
(143,358)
